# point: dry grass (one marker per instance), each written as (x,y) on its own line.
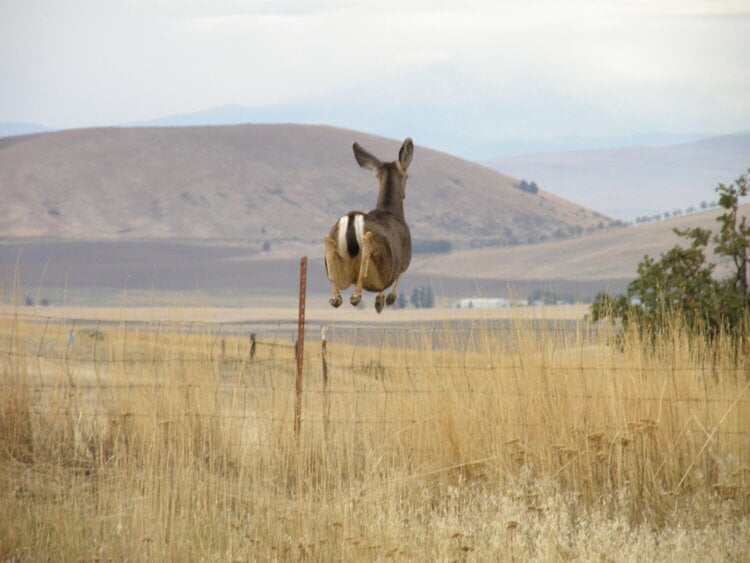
(145,444)
(314,314)
(611,254)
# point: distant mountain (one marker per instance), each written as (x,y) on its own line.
(10,129)
(523,147)
(636,181)
(277,184)
(449,111)
(440,127)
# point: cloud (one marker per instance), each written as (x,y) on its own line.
(425,58)
(670,65)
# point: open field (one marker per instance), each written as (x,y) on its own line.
(313,314)
(149,273)
(129,273)
(170,440)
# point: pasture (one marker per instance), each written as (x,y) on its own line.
(169,435)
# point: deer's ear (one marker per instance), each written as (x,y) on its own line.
(405,154)
(365,159)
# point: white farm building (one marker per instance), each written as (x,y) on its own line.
(481,303)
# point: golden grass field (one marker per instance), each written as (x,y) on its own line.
(169,440)
(279,314)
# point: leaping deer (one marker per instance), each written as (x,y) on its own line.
(372,249)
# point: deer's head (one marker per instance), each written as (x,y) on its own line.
(392,175)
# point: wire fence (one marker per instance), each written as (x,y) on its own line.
(356,374)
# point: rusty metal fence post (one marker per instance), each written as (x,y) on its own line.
(326,397)
(323,355)
(300,344)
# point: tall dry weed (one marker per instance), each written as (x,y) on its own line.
(554,443)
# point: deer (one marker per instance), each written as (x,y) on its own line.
(372,250)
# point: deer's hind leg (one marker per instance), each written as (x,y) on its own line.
(333,270)
(365,252)
(391,299)
(380,301)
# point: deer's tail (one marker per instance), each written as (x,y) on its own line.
(350,234)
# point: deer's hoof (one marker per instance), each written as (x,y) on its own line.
(355,299)
(379,303)
(336,301)
(390,299)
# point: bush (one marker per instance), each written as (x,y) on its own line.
(681,283)
(545,297)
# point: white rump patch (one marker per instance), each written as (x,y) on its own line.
(343,225)
(359,228)
(359,233)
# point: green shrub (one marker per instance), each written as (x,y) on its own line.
(681,283)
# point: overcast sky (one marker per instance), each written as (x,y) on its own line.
(671,66)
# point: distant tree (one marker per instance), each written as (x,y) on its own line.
(29,302)
(423,297)
(528,187)
(401,301)
(539,295)
(416,297)
(429,298)
(266,246)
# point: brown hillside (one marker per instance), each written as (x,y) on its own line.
(252,183)
(610,255)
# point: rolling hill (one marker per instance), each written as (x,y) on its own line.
(610,256)
(635,181)
(188,209)
(282,184)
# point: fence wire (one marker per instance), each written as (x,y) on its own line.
(251,364)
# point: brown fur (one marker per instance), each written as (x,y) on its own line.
(385,250)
